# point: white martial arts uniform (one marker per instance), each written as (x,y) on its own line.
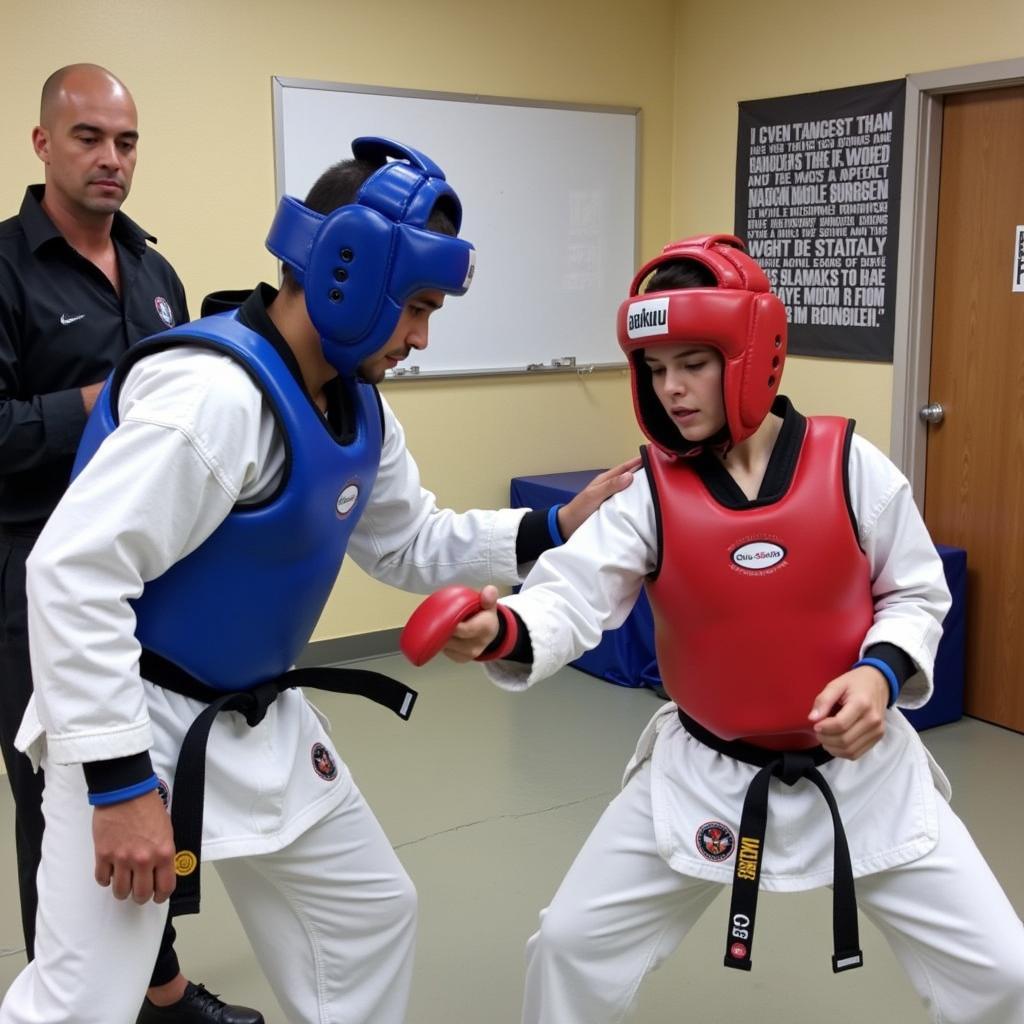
(642,879)
(326,904)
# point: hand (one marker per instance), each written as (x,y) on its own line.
(603,486)
(849,714)
(134,845)
(89,395)
(471,636)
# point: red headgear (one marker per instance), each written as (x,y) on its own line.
(740,318)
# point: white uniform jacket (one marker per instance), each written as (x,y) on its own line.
(195,439)
(886,798)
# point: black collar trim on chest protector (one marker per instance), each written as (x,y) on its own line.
(778,475)
(252,306)
(659,526)
(341,408)
(341,411)
(847,445)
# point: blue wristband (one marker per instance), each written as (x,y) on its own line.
(556,535)
(118,796)
(890,676)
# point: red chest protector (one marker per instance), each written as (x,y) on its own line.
(756,609)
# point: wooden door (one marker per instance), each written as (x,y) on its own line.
(974,490)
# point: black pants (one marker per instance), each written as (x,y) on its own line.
(26,785)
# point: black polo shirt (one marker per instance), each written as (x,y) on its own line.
(62,327)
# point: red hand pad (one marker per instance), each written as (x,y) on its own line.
(434,621)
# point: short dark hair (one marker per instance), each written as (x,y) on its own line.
(339,186)
(681,274)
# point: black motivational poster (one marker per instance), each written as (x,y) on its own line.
(818,204)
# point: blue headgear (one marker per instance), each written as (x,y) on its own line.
(360,264)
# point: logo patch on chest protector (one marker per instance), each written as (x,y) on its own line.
(347,500)
(715,841)
(758,555)
(323,763)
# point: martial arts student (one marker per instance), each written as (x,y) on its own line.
(797,600)
(227,468)
(80,282)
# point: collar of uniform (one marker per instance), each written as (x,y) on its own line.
(253,313)
(778,474)
(39,229)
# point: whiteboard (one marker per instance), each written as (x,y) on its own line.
(549,200)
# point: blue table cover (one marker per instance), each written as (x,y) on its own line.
(625,655)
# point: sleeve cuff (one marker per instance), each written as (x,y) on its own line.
(538,531)
(516,648)
(119,779)
(895,664)
(532,540)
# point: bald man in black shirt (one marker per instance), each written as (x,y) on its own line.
(79,284)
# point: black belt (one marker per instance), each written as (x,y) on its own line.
(789,767)
(190,774)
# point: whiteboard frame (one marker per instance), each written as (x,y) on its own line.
(556,366)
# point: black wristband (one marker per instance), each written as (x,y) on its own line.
(522,650)
(533,538)
(898,660)
(499,638)
(117,773)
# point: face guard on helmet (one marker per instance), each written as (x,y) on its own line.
(740,318)
(361,263)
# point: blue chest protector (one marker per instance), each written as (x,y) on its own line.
(240,608)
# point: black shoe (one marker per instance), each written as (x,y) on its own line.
(197,1006)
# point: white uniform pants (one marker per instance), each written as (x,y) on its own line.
(331,918)
(621,910)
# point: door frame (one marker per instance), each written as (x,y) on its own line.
(915,274)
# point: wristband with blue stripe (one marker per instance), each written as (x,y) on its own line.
(118,796)
(556,535)
(890,676)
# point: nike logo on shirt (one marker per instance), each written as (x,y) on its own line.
(65,319)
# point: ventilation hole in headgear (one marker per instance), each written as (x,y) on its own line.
(771,381)
(775,362)
(348,254)
(778,341)
(340,274)
(335,295)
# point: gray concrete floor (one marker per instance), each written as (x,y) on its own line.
(487,797)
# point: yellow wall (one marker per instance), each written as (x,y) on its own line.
(200,72)
(794,46)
